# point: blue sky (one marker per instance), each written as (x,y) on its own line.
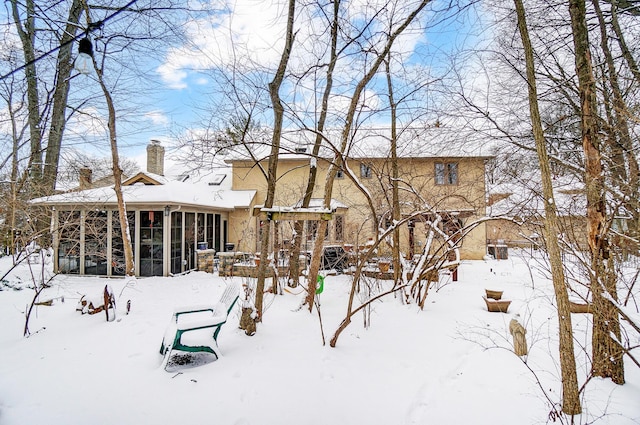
(251,30)
(258,28)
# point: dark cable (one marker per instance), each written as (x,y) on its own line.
(91,27)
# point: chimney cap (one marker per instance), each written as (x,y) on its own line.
(155,157)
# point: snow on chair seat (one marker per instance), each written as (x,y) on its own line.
(188,319)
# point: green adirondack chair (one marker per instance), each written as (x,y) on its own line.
(194,318)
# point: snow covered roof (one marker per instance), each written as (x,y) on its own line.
(153,189)
(318,203)
(214,176)
(315,207)
(374,142)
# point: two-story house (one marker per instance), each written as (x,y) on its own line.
(435,175)
(169,219)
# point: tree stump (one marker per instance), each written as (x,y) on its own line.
(496,295)
(247,321)
(497,306)
(519,340)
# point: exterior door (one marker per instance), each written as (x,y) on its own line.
(151,243)
(190,241)
(176,242)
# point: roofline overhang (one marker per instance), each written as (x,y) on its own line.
(361,158)
(88,205)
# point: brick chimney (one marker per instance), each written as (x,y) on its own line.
(155,157)
(86,178)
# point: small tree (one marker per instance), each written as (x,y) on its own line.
(40,279)
(38,258)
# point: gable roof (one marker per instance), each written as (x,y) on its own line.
(373,142)
(145,178)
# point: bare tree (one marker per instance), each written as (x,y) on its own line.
(621,160)
(570,393)
(607,353)
(583,116)
(115,159)
(117,176)
(621,37)
(13,184)
(47,38)
(346,133)
(27,21)
(395,176)
(294,257)
(278,112)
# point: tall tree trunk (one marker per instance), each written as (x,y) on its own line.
(46,173)
(117,187)
(27,33)
(294,253)
(60,95)
(607,354)
(395,176)
(294,266)
(15,185)
(570,392)
(278,112)
(620,142)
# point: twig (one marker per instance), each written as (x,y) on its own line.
(320,318)
(33,333)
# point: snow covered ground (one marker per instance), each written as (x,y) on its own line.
(448,364)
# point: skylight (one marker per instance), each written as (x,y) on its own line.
(217,179)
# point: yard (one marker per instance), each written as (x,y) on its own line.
(451,363)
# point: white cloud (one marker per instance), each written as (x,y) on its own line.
(248,29)
(250,34)
(202,81)
(157,118)
(172,74)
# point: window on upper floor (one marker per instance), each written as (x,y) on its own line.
(365,171)
(446,173)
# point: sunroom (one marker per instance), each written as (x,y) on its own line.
(169,221)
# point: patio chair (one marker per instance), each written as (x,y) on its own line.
(195,318)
